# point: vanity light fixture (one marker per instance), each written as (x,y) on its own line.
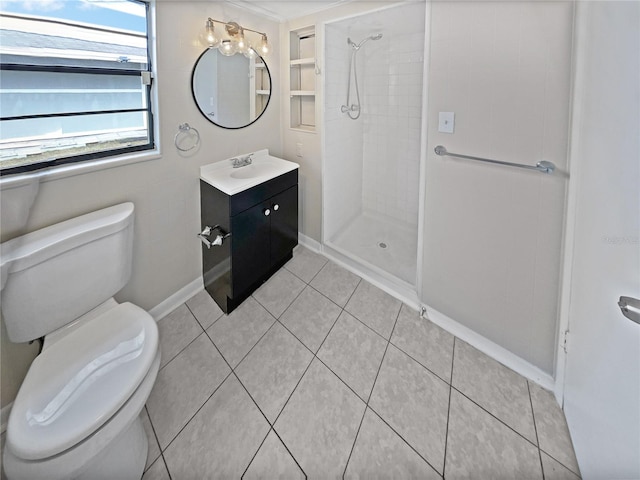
(235,40)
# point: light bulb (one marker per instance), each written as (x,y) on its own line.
(227,48)
(250,53)
(212,39)
(264,46)
(241,44)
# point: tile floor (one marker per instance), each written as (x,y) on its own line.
(320,374)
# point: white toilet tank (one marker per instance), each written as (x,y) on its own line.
(56,274)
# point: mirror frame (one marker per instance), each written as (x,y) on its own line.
(193,93)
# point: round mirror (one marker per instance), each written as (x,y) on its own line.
(232,92)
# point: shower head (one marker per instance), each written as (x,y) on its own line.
(356,46)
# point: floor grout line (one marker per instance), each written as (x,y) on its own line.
(186,346)
(254,345)
(287,307)
(164,460)
(373,385)
(155,435)
(307,369)
(404,439)
(244,472)
(395,324)
(193,416)
(315,356)
(290,452)
(446,436)
(196,317)
(342,309)
(535,428)
(292,392)
(448,382)
(355,440)
(493,415)
(290,303)
(326,260)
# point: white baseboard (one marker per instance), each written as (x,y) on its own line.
(410,297)
(174,301)
(495,351)
(403,291)
(309,243)
(476,340)
(4,417)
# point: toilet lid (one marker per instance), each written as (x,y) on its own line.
(78,383)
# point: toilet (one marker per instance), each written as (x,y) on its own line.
(77,414)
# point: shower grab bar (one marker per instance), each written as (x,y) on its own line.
(542,166)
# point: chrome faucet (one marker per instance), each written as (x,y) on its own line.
(242,162)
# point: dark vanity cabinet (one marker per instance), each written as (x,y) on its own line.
(258,228)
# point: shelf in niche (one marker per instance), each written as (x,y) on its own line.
(259,65)
(303,61)
(302,76)
(305,128)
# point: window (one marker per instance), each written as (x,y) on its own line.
(75,82)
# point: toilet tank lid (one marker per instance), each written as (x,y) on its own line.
(32,248)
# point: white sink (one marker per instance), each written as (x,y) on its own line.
(231,180)
(253,170)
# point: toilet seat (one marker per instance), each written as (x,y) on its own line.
(79,382)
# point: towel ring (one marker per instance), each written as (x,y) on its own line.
(186,131)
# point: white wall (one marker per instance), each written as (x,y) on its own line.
(165,191)
(493,234)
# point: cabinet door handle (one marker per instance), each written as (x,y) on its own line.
(276,207)
(267,212)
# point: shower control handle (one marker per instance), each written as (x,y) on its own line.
(347,108)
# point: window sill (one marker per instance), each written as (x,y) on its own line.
(81,168)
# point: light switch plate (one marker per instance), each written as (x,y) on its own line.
(446,122)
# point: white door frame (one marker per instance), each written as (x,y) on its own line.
(580,42)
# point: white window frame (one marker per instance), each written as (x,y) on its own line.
(117,159)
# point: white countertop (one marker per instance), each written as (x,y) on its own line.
(229,180)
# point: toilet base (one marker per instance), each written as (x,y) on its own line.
(124,459)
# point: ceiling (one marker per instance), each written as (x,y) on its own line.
(287,9)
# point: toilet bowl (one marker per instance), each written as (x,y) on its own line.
(77,413)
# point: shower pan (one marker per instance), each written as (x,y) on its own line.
(371,163)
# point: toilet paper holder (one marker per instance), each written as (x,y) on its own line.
(219,238)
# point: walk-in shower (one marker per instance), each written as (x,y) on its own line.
(372,165)
(353,109)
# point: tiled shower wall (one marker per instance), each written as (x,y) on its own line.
(343,138)
(392,108)
(372,164)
